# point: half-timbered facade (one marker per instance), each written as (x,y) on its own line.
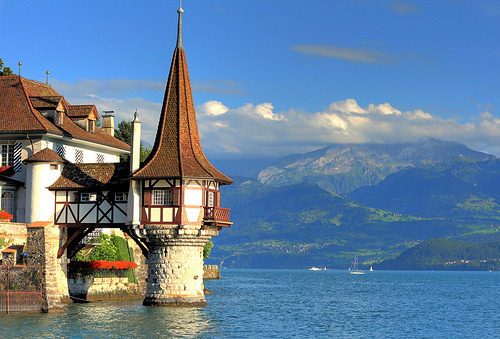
(91,195)
(183,201)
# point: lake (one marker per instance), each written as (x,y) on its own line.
(293,304)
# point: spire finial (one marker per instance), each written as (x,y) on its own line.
(179,26)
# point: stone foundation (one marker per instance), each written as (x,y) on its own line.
(175,276)
(82,289)
(175,265)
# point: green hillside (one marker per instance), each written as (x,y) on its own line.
(399,195)
(302,225)
(427,193)
(443,254)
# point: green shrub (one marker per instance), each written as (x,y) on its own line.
(206,249)
(125,254)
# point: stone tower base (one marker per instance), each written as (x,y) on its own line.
(175,271)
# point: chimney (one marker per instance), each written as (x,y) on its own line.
(108,123)
(134,193)
(135,156)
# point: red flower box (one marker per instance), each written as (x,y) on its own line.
(102,265)
(4,216)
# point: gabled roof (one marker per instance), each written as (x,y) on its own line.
(45,155)
(50,102)
(82,111)
(92,176)
(18,114)
(177,150)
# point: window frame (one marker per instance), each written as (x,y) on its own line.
(8,154)
(121,196)
(88,197)
(162,197)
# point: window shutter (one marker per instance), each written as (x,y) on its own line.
(17,156)
(147,198)
(177,197)
(76,196)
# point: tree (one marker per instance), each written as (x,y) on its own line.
(207,249)
(124,133)
(5,70)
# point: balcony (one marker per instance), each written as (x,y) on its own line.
(217,216)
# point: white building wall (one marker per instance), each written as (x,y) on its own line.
(40,201)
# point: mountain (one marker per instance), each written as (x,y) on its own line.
(343,168)
(443,254)
(427,193)
(296,226)
(399,195)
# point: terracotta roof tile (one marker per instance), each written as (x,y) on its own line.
(93,176)
(81,111)
(177,150)
(46,102)
(18,114)
(45,155)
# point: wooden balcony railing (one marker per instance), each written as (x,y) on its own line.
(217,214)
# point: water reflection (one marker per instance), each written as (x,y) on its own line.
(110,320)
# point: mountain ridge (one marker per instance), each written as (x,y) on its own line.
(343,168)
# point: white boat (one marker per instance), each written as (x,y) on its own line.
(354,266)
(371,268)
(315,269)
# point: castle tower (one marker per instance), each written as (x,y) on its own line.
(178,191)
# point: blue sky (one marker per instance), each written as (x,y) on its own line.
(276,77)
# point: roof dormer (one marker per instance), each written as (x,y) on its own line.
(51,107)
(84,116)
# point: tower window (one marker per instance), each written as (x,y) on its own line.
(163,197)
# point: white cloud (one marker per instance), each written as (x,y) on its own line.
(213,108)
(254,129)
(259,130)
(349,54)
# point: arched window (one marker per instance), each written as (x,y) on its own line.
(8,202)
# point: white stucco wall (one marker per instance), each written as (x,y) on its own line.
(39,200)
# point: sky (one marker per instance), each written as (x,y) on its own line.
(271,78)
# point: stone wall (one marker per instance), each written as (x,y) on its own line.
(211,272)
(81,289)
(43,242)
(12,233)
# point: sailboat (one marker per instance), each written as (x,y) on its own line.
(354,266)
(371,268)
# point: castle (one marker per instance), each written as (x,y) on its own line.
(61,170)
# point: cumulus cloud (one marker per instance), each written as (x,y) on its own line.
(257,129)
(212,108)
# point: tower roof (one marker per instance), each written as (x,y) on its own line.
(177,150)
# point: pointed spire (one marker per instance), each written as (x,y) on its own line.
(179,27)
(177,151)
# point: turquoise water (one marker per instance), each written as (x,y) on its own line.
(294,304)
